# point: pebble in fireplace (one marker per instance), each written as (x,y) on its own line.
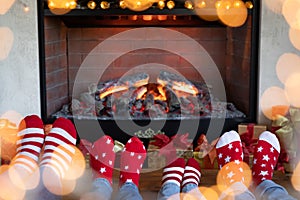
(135,97)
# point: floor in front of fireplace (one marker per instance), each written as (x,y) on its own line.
(150,183)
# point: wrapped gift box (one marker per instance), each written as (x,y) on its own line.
(257,129)
(205,161)
(156,159)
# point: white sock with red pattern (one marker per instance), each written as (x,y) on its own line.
(103,158)
(59,146)
(132,159)
(173,172)
(265,157)
(230,154)
(191,173)
(30,141)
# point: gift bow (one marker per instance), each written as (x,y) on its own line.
(207,148)
(248,143)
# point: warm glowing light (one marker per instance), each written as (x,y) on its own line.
(209,193)
(294,37)
(161,4)
(5,6)
(274,5)
(104,5)
(77,166)
(122,4)
(230,15)
(249,4)
(295,179)
(189,5)
(26,9)
(20,178)
(147,17)
(113,89)
(138,5)
(292,86)
(162,17)
(207,12)
(170,4)
(272,96)
(133,17)
(200,4)
(287,65)
(6,42)
(60,7)
(91,5)
(291,12)
(238,171)
(279,110)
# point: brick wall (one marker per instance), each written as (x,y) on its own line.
(66,49)
(56,64)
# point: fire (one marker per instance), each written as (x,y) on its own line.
(113,89)
(183,87)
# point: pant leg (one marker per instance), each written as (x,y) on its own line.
(169,191)
(102,189)
(129,191)
(268,189)
(237,191)
(193,190)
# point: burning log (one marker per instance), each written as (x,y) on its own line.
(176,82)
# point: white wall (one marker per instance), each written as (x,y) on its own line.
(19,72)
(274,42)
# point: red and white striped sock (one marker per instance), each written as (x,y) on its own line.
(132,160)
(103,158)
(59,146)
(230,157)
(173,172)
(30,141)
(265,157)
(191,173)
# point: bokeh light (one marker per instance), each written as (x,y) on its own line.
(271,97)
(209,193)
(232,13)
(291,12)
(22,179)
(233,171)
(206,9)
(287,64)
(294,35)
(77,166)
(274,5)
(295,179)
(292,86)
(61,7)
(138,5)
(6,42)
(5,5)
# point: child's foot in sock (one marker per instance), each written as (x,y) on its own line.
(173,172)
(103,158)
(265,157)
(191,173)
(59,146)
(132,159)
(30,141)
(230,158)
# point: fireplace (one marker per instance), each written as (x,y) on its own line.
(86,54)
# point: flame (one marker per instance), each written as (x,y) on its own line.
(183,87)
(113,89)
(141,92)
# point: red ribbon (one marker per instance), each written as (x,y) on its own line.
(248,142)
(207,148)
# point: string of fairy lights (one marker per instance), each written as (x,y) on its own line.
(231,12)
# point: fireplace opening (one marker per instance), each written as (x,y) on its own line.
(150,88)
